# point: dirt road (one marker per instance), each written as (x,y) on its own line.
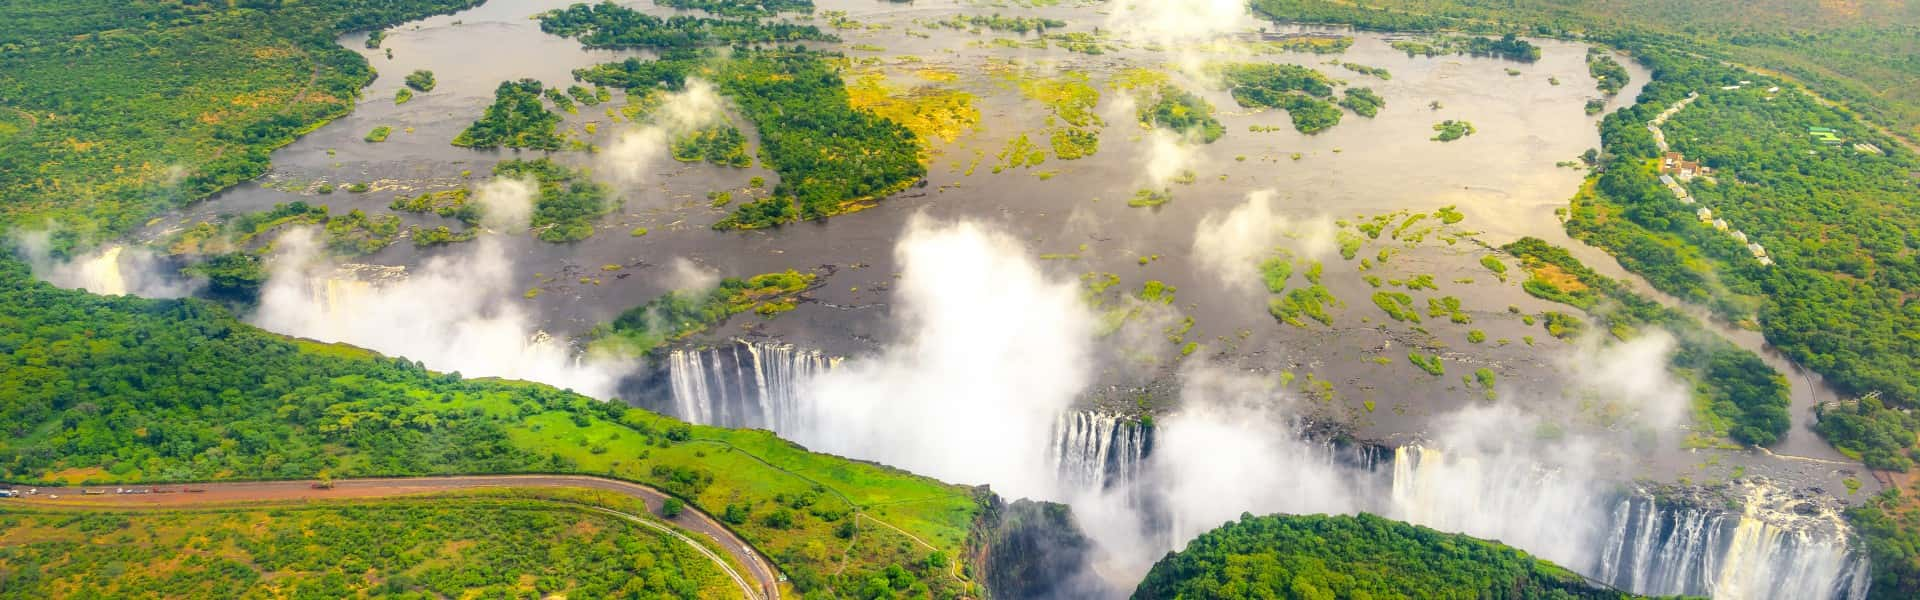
(764,584)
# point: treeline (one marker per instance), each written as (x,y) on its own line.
(1872,432)
(444,547)
(1834,219)
(1889,528)
(1608,74)
(1737,386)
(516,119)
(1363,101)
(1181,111)
(570,201)
(1303,92)
(1509,47)
(609,25)
(996,22)
(113,390)
(1363,556)
(681,313)
(720,144)
(743,8)
(104,100)
(1864,56)
(831,157)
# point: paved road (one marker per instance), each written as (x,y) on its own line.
(691,519)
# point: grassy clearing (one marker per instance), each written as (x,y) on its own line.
(465,545)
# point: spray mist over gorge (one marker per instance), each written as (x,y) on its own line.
(994,357)
(454,313)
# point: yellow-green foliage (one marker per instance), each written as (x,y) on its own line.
(1430,364)
(115,113)
(1157,291)
(679,314)
(1020,152)
(1146,198)
(1492,263)
(458,546)
(1073,125)
(1396,305)
(329,411)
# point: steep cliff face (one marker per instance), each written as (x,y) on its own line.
(1030,550)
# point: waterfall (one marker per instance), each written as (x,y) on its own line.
(1774,546)
(1661,550)
(744,384)
(1506,496)
(1093,450)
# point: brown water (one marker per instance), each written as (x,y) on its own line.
(1504,179)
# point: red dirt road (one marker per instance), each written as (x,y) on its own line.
(176,496)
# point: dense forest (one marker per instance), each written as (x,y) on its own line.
(516,119)
(107,390)
(1363,101)
(353,233)
(681,313)
(831,157)
(1303,92)
(1364,556)
(1889,527)
(1837,302)
(743,8)
(444,547)
(1866,54)
(569,200)
(1736,394)
(102,100)
(1509,47)
(721,144)
(1181,111)
(609,25)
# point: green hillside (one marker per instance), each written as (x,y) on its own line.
(1318,556)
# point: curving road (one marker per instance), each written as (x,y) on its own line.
(764,582)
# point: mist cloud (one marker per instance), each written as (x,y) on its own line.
(113,270)
(1168,157)
(1632,379)
(505,204)
(1224,415)
(458,312)
(1230,245)
(1177,27)
(1174,23)
(685,275)
(990,350)
(1495,473)
(628,161)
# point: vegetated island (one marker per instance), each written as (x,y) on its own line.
(1361,556)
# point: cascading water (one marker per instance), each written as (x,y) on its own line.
(1658,549)
(1776,546)
(1499,495)
(744,384)
(1094,451)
